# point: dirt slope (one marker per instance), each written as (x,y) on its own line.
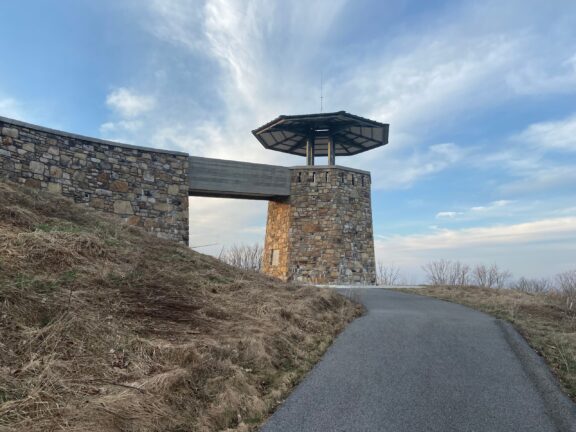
(106,328)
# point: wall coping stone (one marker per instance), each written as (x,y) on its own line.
(89,139)
(340,167)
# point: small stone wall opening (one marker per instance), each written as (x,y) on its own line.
(275,257)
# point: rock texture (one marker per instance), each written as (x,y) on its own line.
(143,187)
(323,232)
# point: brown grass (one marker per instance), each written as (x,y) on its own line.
(106,328)
(543,319)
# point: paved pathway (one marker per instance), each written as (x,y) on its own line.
(417,364)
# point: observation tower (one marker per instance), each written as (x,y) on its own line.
(322,233)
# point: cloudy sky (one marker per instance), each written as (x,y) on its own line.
(480,97)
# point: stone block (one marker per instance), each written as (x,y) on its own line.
(37,167)
(123,207)
(55,188)
(97,203)
(119,186)
(103,177)
(10,132)
(163,207)
(103,192)
(55,171)
(33,183)
(133,220)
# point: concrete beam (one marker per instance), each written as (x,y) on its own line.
(230,179)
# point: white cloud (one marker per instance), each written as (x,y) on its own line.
(255,42)
(551,177)
(176,20)
(525,248)
(495,208)
(544,77)
(436,78)
(551,135)
(402,167)
(545,229)
(120,126)
(531,158)
(492,206)
(447,214)
(128,103)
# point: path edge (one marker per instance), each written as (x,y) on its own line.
(558,405)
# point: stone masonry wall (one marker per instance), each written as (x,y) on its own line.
(330,237)
(277,230)
(143,187)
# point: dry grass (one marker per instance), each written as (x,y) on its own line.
(105,328)
(543,319)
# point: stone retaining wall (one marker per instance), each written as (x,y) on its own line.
(143,187)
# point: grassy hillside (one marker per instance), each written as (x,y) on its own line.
(106,328)
(544,320)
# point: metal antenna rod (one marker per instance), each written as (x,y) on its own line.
(322,91)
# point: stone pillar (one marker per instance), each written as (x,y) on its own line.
(277,238)
(323,233)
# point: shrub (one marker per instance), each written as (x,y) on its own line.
(490,277)
(388,274)
(567,288)
(247,257)
(534,286)
(446,272)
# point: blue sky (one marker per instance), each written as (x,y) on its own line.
(480,96)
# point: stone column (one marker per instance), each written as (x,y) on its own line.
(323,232)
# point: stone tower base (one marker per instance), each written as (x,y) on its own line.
(323,232)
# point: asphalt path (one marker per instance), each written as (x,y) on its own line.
(414,364)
